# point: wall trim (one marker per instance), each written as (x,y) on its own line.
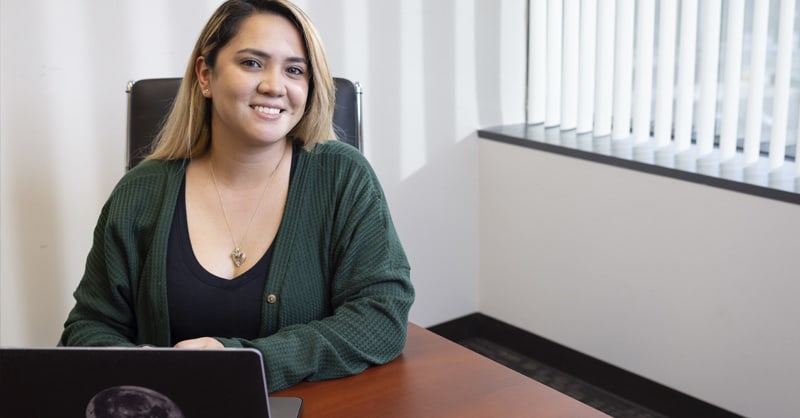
(523,135)
(635,388)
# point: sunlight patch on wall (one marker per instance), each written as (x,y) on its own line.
(145,47)
(412,94)
(356,54)
(465,77)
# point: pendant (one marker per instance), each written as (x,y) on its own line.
(238,257)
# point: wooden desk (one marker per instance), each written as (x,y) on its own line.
(435,377)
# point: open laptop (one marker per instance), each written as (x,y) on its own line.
(164,382)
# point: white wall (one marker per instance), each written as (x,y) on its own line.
(433,72)
(691,286)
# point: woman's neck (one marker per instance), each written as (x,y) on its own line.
(245,170)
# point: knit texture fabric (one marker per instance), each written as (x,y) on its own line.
(337,294)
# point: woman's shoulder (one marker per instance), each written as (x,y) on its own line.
(143,194)
(337,154)
(342,164)
(150,178)
(336,148)
(151,170)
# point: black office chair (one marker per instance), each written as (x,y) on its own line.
(149,102)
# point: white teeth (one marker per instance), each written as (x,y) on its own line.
(267,110)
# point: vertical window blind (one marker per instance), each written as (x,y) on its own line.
(709,86)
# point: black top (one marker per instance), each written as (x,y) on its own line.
(202,304)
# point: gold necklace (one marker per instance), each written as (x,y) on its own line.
(238,256)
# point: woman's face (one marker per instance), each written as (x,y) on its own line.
(259,84)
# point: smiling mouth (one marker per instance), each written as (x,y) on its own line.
(267,110)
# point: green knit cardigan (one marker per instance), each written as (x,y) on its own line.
(337,294)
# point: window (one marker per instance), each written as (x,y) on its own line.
(706,87)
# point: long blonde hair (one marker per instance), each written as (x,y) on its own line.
(187,130)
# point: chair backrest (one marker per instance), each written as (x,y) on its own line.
(150,100)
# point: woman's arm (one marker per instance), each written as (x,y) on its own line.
(121,298)
(102,315)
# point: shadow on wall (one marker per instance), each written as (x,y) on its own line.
(384,112)
(488,62)
(418,111)
(411,102)
(439,86)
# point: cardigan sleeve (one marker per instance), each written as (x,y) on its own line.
(370,297)
(102,315)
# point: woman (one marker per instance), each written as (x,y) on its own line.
(246,226)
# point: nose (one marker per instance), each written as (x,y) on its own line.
(271,84)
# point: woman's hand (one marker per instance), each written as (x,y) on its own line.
(203,342)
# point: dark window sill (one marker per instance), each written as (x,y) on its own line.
(606,151)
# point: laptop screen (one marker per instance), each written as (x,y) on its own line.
(102,382)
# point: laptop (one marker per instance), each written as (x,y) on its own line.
(137,382)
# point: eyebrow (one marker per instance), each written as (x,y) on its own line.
(264,55)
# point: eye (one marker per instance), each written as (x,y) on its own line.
(297,71)
(251,63)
